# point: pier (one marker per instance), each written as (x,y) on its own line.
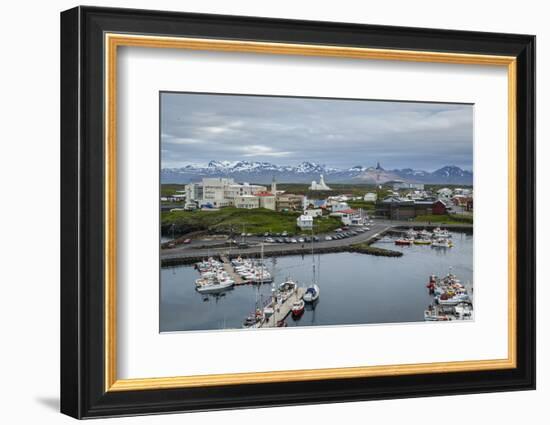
(228,267)
(284,309)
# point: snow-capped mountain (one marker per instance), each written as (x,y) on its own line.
(305,172)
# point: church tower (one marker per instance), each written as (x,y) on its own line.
(273,186)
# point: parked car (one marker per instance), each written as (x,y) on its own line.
(187,241)
(328,238)
(269,240)
(301,240)
(316,238)
(293,240)
(287,240)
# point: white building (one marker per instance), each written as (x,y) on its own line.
(305,222)
(319,186)
(403,185)
(247,201)
(219,191)
(266,200)
(444,193)
(370,197)
(340,206)
(314,212)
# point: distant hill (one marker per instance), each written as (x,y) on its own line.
(263,172)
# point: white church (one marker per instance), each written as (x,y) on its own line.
(319,186)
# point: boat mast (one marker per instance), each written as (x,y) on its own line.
(312,257)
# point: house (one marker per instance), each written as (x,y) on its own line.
(305,222)
(370,197)
(350,217)
(314,212)
(439,208)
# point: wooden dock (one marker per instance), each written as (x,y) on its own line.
(228,267)
(284,309)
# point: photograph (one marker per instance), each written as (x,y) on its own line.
(299,211)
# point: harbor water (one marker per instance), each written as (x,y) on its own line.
(355,288)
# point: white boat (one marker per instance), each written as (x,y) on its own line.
(311,294)
(215,286)
(442,243)
(385,239)
(454,300)
(441,233)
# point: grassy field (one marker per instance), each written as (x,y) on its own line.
(237,220)
(170,189)
(446,219)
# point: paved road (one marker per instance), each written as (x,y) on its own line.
(190,251)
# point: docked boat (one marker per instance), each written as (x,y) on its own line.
(441,233)
(442,243)
(446,300)
(312,291)
(385,239)
(215,286)
(422,242)
(311,294)
(298,308)
(403,241)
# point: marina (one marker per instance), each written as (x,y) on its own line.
(355,289)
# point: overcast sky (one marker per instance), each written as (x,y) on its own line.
(197,128)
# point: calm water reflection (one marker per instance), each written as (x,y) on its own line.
(355,288)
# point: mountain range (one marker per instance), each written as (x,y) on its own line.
(305,172)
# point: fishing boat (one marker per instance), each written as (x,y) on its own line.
(403,242)
(298,308)
(215,286)
(446,300)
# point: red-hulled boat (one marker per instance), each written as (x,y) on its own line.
(298,308)
(403,242)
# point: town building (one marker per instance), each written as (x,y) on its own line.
(370,197)
(247,201)
(444,193)
(289,202)
(305,222)
(340,206)
(219,192)
(319,186)
(398,208)
(314,212)
(266,200)
(403,185)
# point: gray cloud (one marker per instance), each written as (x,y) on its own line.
(196,128)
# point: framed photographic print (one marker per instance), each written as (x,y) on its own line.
(261,212)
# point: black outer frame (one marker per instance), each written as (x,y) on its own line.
(82,218)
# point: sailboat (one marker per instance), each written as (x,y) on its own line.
(312,292)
